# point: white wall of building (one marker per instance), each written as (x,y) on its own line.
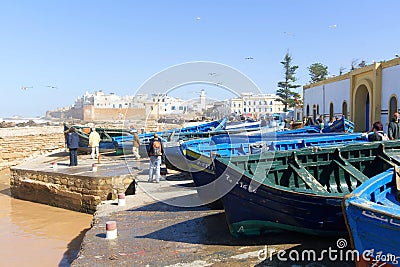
(390,86)
(334,93)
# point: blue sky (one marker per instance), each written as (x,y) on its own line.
(115,46)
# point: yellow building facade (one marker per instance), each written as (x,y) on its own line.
(364,95)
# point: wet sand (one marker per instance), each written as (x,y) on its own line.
(37,235)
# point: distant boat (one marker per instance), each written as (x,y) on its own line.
(107,144)
(175,154)
(373,217)
(186,132)
(341,125)
(298,190)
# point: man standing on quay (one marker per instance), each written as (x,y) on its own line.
(155,151)
(94,142)
(394,127)
(136,144)
(73,144)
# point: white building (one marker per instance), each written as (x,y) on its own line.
(256,105)
(99,99)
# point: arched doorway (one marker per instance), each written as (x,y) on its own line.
(362,112)
(344,110)
(392,107)
(314,110)
(331,111)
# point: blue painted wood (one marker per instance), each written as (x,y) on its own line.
(373,217)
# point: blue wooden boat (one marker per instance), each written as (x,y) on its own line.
(180,133)
(107,144)
(372,213)
(200,156)
(175,154)
(298,190)
(341,125)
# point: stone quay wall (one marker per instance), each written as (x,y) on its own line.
(72,192)
(19,144)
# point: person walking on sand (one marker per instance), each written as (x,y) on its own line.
(155,151)
(394,127)
(73,144)
(136,144)
(94,142)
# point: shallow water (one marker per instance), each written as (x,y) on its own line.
(33,234)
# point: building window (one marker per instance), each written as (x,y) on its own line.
(344,110)
(270,102)
(318,110)
(244,110)
(314,109)
(308,110)
(331,111)
(249,109)
(392,107)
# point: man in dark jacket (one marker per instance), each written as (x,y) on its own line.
(394,127)
(73,144)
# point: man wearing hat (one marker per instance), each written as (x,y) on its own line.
(155,151)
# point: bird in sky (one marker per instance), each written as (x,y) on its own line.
(288,33)
(26,87)
(198,18)
(332,26)
(212,73)
(51,86)
(248,58)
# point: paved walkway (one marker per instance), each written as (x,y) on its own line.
(154,231)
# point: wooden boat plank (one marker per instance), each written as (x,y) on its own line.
(307,178)
(353,171)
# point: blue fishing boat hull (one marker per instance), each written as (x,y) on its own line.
(301,191)
(252,209)
(200,163)
(373,219)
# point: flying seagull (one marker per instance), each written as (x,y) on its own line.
(332,26)
(50,86)
(26,87)
(248,58)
